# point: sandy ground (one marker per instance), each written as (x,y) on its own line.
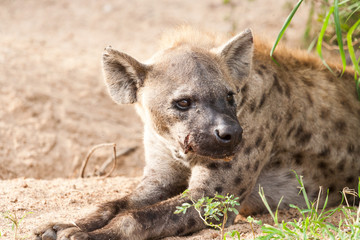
(43,201)
(54,105)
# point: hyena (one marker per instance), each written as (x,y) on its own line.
(224,118)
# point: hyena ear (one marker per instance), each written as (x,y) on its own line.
(237,53)
(123,75)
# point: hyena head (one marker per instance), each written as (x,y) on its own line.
(186,94)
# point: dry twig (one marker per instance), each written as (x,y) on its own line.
(107,162)
(100,172)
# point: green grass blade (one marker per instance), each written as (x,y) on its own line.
(351,47)
(263,198)
(353,56)
(321,36)
(300,181)
(284,27)
(325,204)
(311,45)
(338,35)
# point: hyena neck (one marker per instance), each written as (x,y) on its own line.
(158,146)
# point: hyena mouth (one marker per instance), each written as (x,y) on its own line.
(187,145)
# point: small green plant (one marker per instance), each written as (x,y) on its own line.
(15,223)
(251,220)
(313,223)
(212,209)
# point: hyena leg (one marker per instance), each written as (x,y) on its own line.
(157,184)
(159,220)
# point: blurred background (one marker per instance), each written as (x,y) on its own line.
(54,106)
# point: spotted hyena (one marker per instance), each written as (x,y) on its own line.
(226,119)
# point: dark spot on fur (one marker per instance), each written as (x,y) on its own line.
(258,140)
(242,191)
(242,101)
(350,148)
(289,117)
(244,89)
(324,113)
(259,72)
(298,158)
(180,230)
(287,90)
(248,150)
(345,103)
(227,165)
(309,98)
(263,67)
(325,152)
(340,126)
(341,165)
(276,163)
(276,84)
(299,131)
(262,100)
(332,188)
(273,133)
(241,198)
(147,217)
(307,82)
(247,167)
(256,166)
(238,180)
(213,166)
(191,223)
(302,137)
(290,131)
(322,165)
(252,106)
(350,179)
(263,146)
(219,189)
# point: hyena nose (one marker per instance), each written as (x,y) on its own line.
(228,134)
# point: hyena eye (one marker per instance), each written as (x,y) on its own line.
(183,104)
(230,98)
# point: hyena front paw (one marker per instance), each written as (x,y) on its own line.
(73,233)
(61,232)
